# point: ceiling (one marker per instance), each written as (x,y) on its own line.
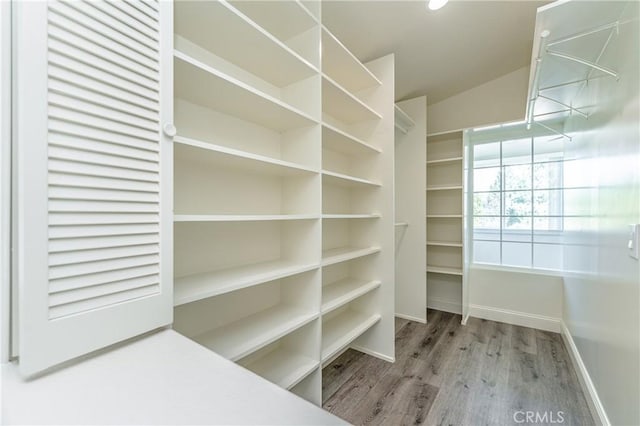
(437,53)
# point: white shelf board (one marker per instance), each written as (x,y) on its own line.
(241,217)
(283,19)
(341,65)
(444,216)
(342,254)
(344,291)
(338,140)
(339,179)
(351,216)
(246,45)
(221,156)
(444,243)
(444,270)
(443,187)
(200,286)
(445,160)
(283,367)
(203,85)
(340,331)
(240,338)
(344,106)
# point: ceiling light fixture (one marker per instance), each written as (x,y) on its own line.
(436,4)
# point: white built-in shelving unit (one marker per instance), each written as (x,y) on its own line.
(283,230)
(445,220)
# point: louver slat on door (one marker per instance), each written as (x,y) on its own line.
(105,214)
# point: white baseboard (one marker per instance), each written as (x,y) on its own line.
(516,318)
(591,395)
(444,305)
(374,353)
(411,318)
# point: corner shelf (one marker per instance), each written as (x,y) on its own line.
(283,19)
(445,160)
(240,338)
(196,287)
(338,102)
(350,216)
(341,292)
(203,85)
(342,66)
(342,254)
(338,140)
(283,367)
(444,270)
(444,188)
(444,243)
(253,49)
(218,155)
(340,179)
(340,331)
(240,217)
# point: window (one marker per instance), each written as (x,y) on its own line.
(518,201)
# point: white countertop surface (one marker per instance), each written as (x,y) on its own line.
(163,378)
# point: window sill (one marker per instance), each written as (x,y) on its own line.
(502,268)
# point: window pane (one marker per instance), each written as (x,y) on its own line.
(548,203)
(547,176)
(517,177)
(486,252)
(486,203)
(516,228)
(486,155)
(547,229)
(578,202)
(516,254)
(486,228)
(547,256)
(516,152)
(486,179)
(517,203)
(579,173)
(548,148)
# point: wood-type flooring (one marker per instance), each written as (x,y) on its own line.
(484,373)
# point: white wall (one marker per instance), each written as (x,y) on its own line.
(527,299)
(602,284)
(5,177)
(496,101)
(410,201)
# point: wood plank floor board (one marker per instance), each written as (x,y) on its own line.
(462,377)
(449,374)
(357,388)
(430,365)
(340,371)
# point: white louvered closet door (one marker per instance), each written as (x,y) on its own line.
(94,93)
